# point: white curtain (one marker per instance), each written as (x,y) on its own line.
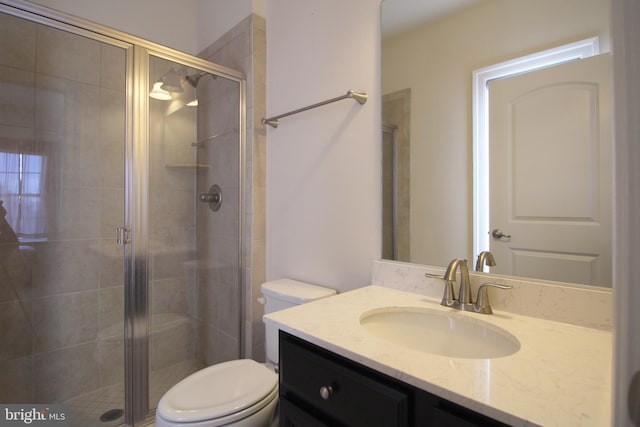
(22,191)
(10,186)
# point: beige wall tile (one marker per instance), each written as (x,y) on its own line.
(16,97)
(111,307)
(67,55)
(65,320)
(67,105)
(15,273)
(17,42)
(66,373)
(65,266)
(112,67)
(81,161)
(111,263)
(169,296)
(220,346)
(17,380)
(111,139)
(172,345)
(16,329)
(111,357)
(111,213)
(73,213)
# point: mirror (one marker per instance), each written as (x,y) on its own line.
(426,71)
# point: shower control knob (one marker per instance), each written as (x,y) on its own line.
(213,197)
(326,391)
(210,198)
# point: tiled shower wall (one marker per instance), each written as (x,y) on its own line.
(58,294)
(243,48)
(217,295)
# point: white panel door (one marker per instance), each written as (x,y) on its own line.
(551,172)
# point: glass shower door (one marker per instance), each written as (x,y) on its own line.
(62,138)
(194,246)
(172,227)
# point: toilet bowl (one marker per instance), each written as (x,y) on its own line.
(238,393)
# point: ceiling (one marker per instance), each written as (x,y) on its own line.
(401,15)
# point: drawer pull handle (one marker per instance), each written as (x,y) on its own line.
(326,391)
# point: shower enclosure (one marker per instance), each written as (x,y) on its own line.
(120,216)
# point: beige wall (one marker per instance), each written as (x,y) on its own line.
(153,20)
(186,25)
(436,62)
(323,166)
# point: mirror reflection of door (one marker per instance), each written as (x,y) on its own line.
(396,175)
(389,174)
(550,184)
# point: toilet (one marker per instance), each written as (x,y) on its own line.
(238,393)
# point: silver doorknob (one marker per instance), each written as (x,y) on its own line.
(498,234)
(326,391)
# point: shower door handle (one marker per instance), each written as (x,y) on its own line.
(122,235)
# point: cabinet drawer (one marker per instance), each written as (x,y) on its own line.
(292,416)
(344,395)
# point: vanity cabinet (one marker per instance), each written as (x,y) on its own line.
(319,388)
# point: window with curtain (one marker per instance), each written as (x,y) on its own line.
(22,187)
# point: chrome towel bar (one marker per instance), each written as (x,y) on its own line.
(361,97)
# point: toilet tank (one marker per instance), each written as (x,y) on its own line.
(285,293)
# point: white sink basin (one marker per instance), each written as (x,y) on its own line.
(438,332)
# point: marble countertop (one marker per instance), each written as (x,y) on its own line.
(561,376)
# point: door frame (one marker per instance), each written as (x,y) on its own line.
(626,360)
(480,104)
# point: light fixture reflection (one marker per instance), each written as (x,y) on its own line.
(172,81)
(158,93)
(193,103)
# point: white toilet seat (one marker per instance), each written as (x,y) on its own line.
(220,394)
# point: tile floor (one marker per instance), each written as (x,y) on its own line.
(87,408)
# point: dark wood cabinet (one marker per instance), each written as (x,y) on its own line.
(319,388)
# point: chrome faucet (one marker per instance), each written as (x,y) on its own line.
(464,301)
(485,258)
(464,293)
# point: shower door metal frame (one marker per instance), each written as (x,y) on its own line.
(136,256)
(137,314)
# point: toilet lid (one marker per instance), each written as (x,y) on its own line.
(217,391)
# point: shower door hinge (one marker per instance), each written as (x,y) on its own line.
(122,235)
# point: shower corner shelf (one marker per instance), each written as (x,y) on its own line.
(187,166)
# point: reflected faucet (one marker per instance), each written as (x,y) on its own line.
(485,258)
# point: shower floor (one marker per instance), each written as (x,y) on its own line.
(87,408)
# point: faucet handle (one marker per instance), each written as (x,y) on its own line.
(449,297)
(482,304)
